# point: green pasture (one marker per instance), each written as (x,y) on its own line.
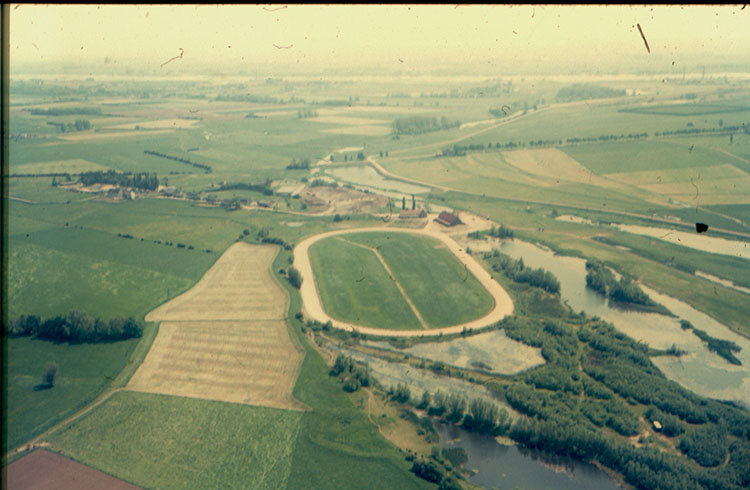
(84,370)
(160,441)
(683,258)
(489,175)
(635,156)
(686,109)
(441,288)
(354,287)
(172,442)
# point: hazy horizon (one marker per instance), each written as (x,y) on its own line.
(406,39)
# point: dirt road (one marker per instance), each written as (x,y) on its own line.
(314,309)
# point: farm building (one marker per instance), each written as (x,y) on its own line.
(412,213)
(448,219)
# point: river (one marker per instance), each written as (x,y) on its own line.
(700,370)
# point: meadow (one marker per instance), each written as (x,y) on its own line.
(331,444)
(84,371)
(442,289)
(354,287)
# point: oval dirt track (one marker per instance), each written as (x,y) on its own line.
(314,308)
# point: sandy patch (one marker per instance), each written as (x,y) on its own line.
(341,200)
(349,148)
(226,339)
(549,162)
(160,124)
(360,130)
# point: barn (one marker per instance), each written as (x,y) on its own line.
(448,219)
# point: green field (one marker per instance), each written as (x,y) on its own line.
(84,371)
(635,156)
(354,287)
(172,442)
(159,441)
(438,285)
(686,109)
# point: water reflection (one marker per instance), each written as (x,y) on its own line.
(701,370)
(499,466)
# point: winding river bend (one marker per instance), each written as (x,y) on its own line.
(700,370)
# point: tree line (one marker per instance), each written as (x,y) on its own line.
(301,164)
(76,326)
(65,111)
(78,125)
(206,168)
(582,91)
(724,348)
(143,180)
(421,124)
(262,187)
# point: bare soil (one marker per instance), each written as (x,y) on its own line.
(43,470)
(226,338)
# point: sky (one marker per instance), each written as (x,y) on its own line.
(388,36)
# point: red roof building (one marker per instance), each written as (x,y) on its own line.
(448,219)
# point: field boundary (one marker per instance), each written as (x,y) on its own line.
(313,307)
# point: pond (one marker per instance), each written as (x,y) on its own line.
(493,352)
(700,370)
(367,176)
(501,466)
(390,374)
(702,242)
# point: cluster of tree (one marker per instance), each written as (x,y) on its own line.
(305,113)
(583,91)
(565,423)
(401,393)
(301,164)
(143,180)
(724,348)
(294,277)
(707,446)
(643,467)
(602,280)
(323,183)
(76,326)
(516,270)
(66,111)
(354,376)
(276,241)
(206,168)
(262,187)
(671,426)
(260,99)
(501,231)
(421,124)
(424,424)
(78,125)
